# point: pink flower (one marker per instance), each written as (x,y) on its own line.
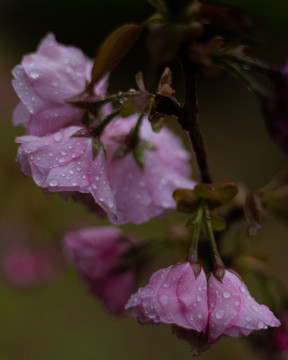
(200,316)
(98,255)
(120,187)
(44,80)
(24,268)
(58,162)
(174,295)
(143,193)
(233,311)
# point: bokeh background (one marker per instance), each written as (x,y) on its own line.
(60,320)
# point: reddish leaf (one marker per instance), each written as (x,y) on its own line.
(113,50)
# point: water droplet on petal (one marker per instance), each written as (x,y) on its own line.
(237,303)
(247,318)
(260,325)
(74,183)
(71,172)
(58,137)
(53,182)
(51,154)
(61,160)
(199,298)
(63,152)
(164,299)
(242,289)
(166,285)
(200,316)
(254,307)
(34,74)
(226,294)
(219,315)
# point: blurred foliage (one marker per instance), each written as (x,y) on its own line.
(61,320)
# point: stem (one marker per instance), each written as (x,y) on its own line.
(189,119)
(216,256)
(193,250)
(100,129)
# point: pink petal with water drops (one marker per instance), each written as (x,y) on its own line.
(173,296)
(233,311)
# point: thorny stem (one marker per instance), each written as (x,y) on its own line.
(189,119)
(216,256)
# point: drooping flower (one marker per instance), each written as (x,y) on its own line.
(143,193)
(45,80)
(125,192)
(199,315)
(98,255)
(26,268)
(175,296)
(233,311)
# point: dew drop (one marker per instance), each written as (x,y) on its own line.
(164,299)
(53,182)
(199,298)
(34,74)
(58,137)
(97,178)
(226,294)
(101,199)
(63,152)
(71,172)
(219,315)
(247,318)
(242,289)
(260,325)
(237,303)
(199,288)
(61,160)
(166,285)
(254,307)
(200,316)
(74,183)
(51,154)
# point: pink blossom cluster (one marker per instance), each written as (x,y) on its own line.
(97,253)
(200,311)
(60,161)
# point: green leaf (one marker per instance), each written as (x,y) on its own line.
(140,82)
(218,223)
(187,202)
(226,192)
(139,156)
(113,50)
(204,191)
(97,145)
(127,109)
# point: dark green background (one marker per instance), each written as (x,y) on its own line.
(60,320)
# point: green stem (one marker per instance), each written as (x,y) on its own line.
(218,263)
(100,129)
(193,251)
